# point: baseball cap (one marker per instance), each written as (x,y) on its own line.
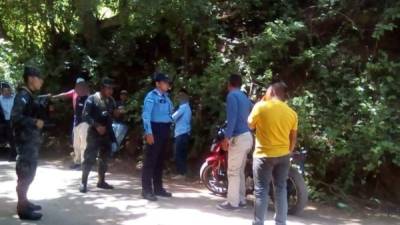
(5,85)
(161,77)
(107,82)
(31,72)
(80,80)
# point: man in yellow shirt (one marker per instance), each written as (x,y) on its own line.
(276,134)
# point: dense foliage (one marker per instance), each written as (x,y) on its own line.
(340,59)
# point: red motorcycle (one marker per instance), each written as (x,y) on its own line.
(213,174)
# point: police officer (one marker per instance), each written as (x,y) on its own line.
(98,112)
(27,130)
(157,118)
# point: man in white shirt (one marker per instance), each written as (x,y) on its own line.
(6,104)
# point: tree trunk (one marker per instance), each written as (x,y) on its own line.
(89,27)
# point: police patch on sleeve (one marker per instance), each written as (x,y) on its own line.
(24,100)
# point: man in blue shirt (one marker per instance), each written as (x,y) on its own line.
(157,119)
(182,118)
(6,105)
(238,142)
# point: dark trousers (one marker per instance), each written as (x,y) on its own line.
(28,143)
(181,151)
(154,159)
(98,146)
(266,170)
(10,139)
(26,171)
(26,165)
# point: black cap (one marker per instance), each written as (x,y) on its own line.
(107,82)
(31,72)
(158,77)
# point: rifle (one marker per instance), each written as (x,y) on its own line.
(43,108)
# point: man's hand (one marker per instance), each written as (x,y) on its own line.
(225,144)
(101,129)
(149,139)
(293,140)
(121,110)
(114,147)
(39,123)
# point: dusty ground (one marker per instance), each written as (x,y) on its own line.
(55,188)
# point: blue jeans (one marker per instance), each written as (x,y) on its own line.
(181,150)
(266,170)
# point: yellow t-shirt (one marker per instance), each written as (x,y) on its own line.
(273,121)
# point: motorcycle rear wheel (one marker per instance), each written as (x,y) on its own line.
(297,193)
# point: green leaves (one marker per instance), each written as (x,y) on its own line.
(387,23)
(344,84)
(9,67)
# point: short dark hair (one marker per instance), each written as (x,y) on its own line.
(30,71)
(235,80)
(279,89)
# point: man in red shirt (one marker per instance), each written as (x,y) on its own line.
(78,95)
(81,90)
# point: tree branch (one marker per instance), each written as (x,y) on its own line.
(3,33)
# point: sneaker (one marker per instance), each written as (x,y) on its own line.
(226,206)
(243,205)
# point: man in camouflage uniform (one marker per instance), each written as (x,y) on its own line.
(27,130)
(98,112)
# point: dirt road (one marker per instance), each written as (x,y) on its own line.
(55,188)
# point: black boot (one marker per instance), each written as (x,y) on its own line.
(83,188)
(34,207)
(163,193)
(30,215)
(26,213)
(149,196)
(85,175)
(104,185)
(102,176)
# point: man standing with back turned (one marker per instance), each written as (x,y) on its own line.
(276,133)
(238,142)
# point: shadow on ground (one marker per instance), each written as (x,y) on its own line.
(55,188)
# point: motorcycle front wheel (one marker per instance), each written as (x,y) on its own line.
(214,179)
